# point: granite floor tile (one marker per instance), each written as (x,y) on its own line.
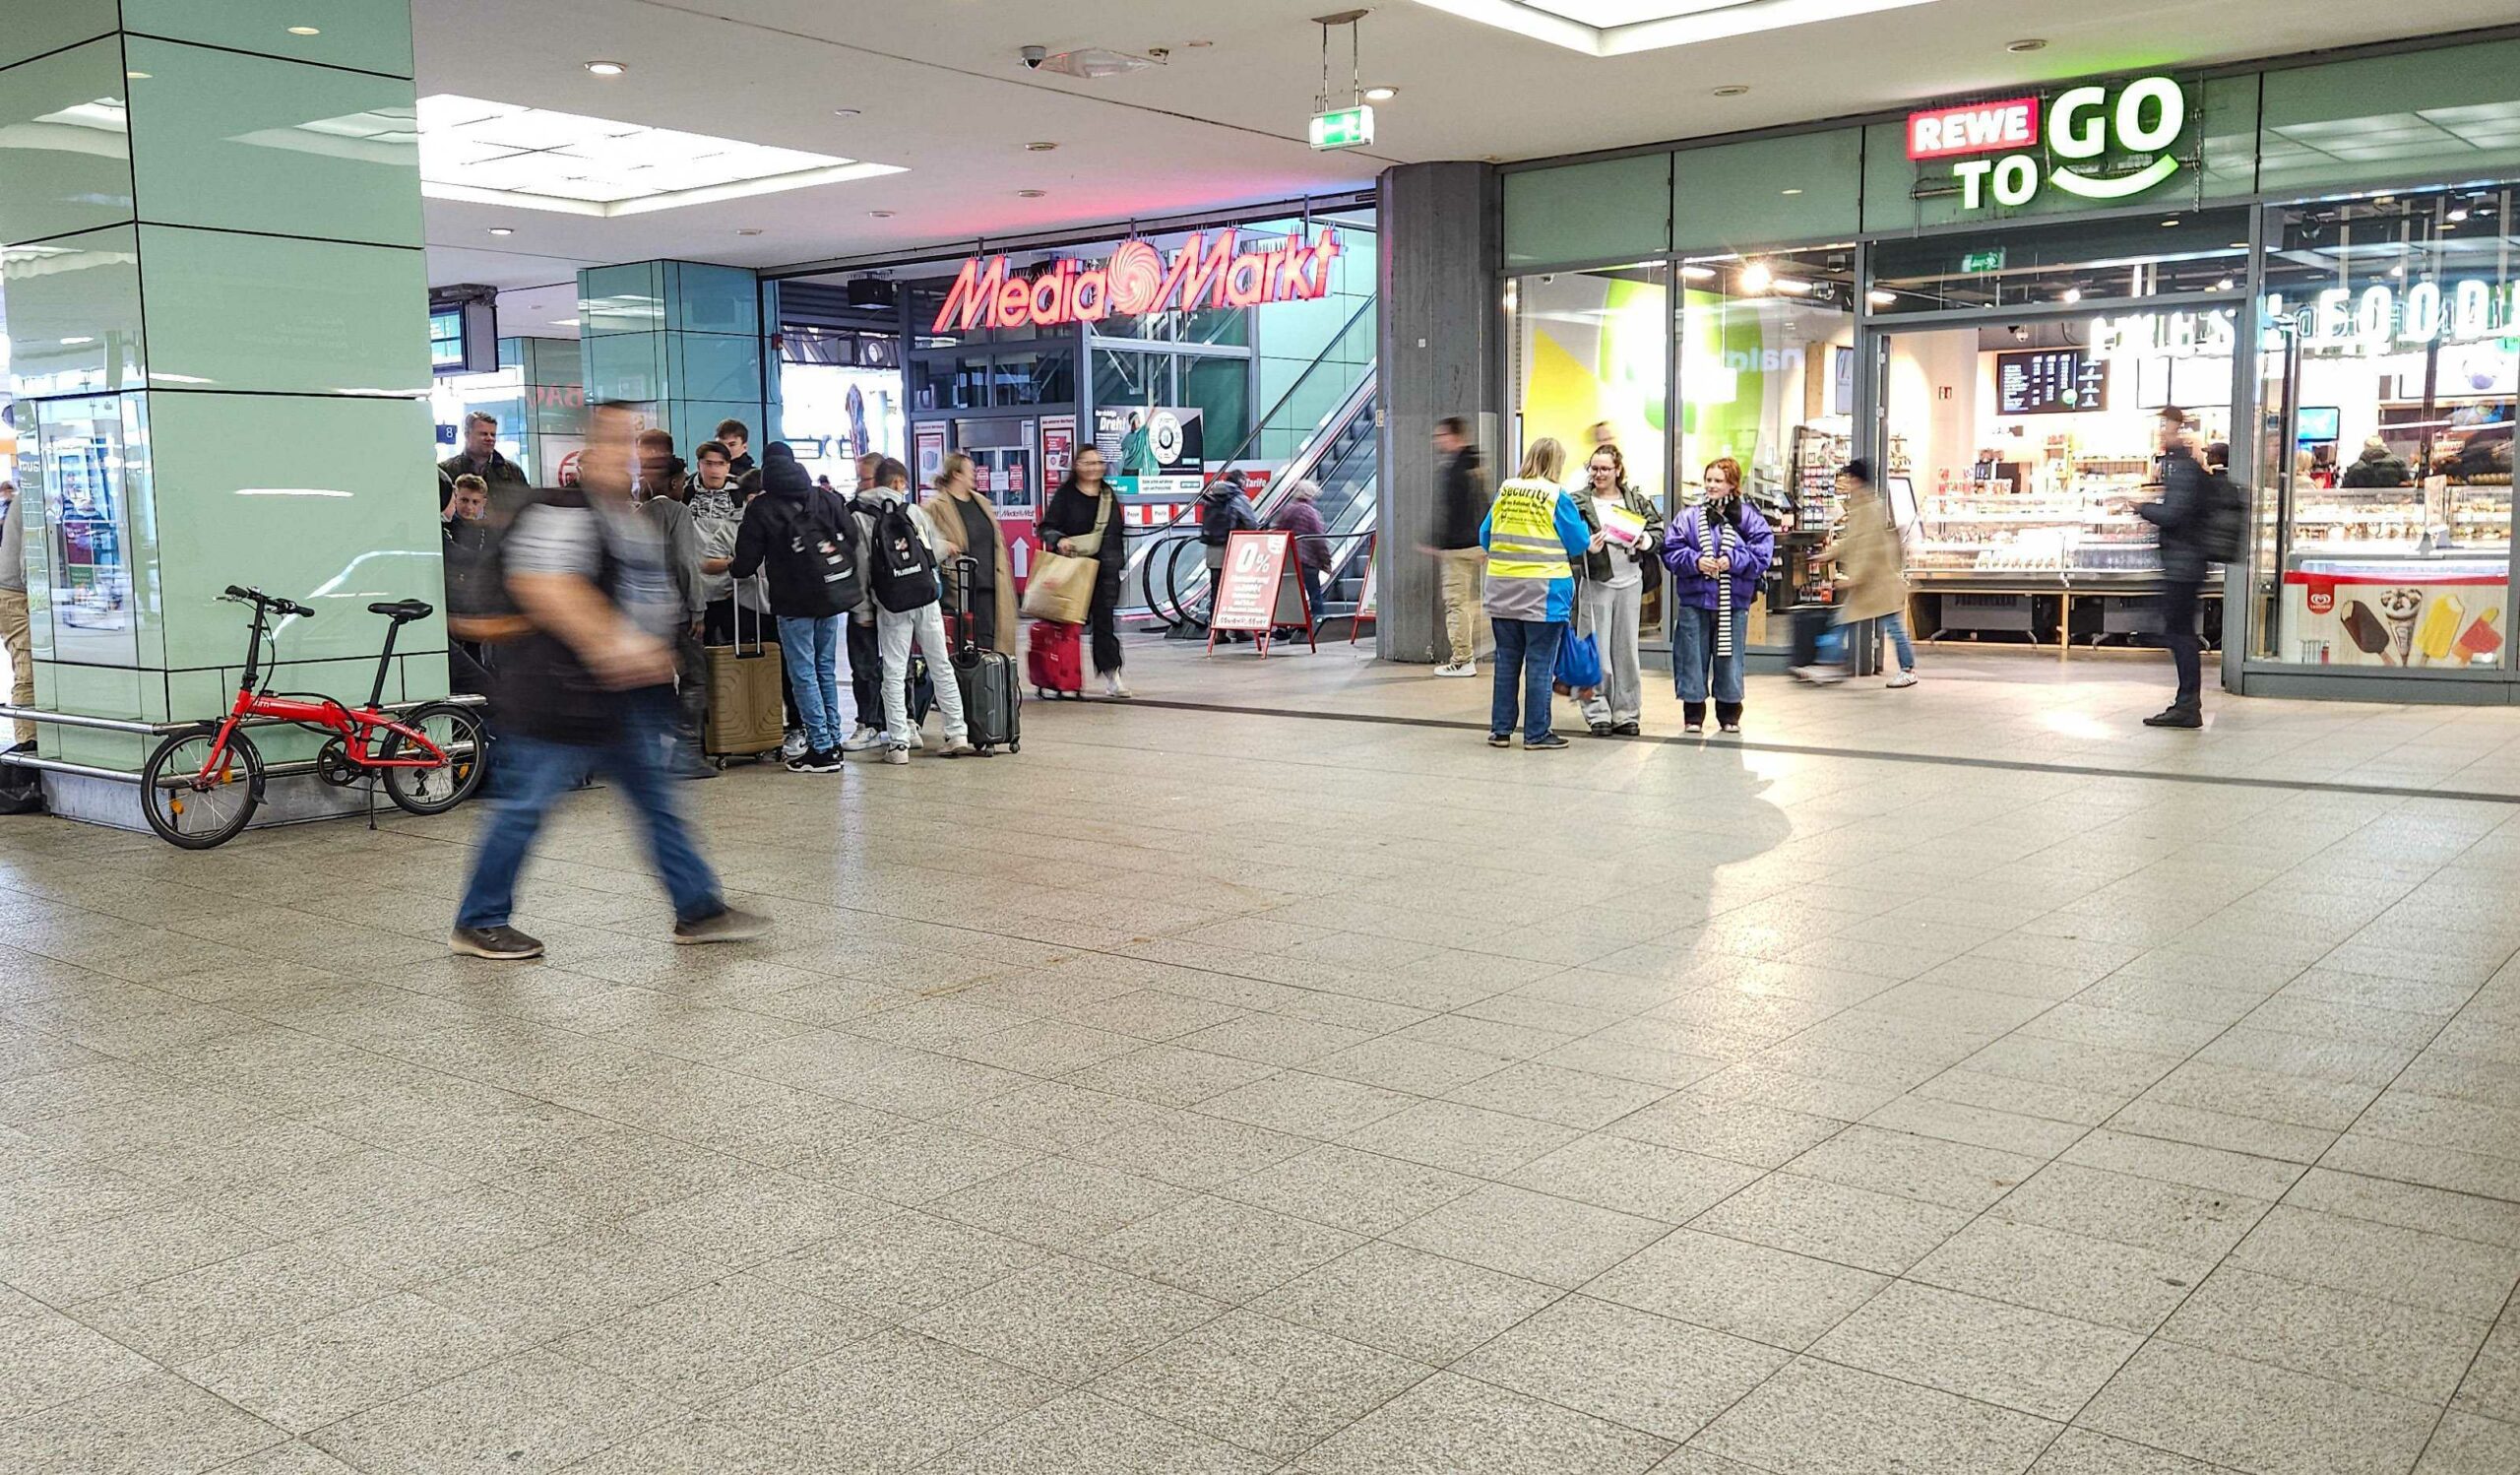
(1750,1290)
(716,1339)
(159,1424)
(2169,1217)
(1532,1236)
(1652,1373)
(1067,1320)
(2253,1416)
(1363,1192)
(1645,1179)
(1461,1139)
(2434,1271)
(1877,1232)
(47,1358)
(1992,1351)
(894,1269)
(1083,1435)
(2125,1286)
(1405,1300)
(1218,1248)
(886,1403)
(1814,1418)
(1262,1384)
(324,1370)
(531,1413)
(1451,1426)
(2466,1445)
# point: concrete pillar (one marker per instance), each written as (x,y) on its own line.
(1439,356)
(683,343)
(211,255)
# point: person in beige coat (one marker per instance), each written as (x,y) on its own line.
(1872,571)
(964,521)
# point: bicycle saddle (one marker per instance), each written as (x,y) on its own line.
(400,610)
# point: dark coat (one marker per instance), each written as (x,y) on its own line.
(1071,514)
(1461,500)
(2180,516)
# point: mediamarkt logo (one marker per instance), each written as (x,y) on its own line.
(1206,272)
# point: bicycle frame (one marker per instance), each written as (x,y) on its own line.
(356,727)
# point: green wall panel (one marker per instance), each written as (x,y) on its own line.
(245,142)
(1608,210)
(373,35)
(292,493)
(37,27)
(216,321)
(718,366)
(1803,187)
(704,298)
(65,161)
(628,298)
(625,368)
(2440,114)
(74,314)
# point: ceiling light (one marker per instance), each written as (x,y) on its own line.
(1697,273)
(1092,63)
(2399,270)
(1732,89)
(304,30)
(1757,276)
(881,215)
(502,231)
(843,112)
(2026,44)
(2239,245)
(72,342)
(2071,296)
(1040,145)
(564,322)
(2456,215)
(1880,298)
(1198,45)
(2171,220)
(606,68)
(136,75)
(532,157)
(2223,286)
(1030,194)
(747,230)
(1620,27)
(1381,94)
(1794,191)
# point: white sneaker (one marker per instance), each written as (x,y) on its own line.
(1457,668)
(793,745)
(1817,676)
(1115,688)
(956,748)
(862,739)
(1903,678)
(899,752)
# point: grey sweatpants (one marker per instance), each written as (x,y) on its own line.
(1609,616)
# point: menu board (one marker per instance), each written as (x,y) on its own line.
(2050,381)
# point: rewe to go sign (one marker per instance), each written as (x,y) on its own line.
(2083,126)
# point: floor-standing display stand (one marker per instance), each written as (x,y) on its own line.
(1259,590)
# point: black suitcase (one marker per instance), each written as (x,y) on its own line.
(993,688)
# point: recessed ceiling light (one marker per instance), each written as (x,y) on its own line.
(747,230)
(606,68)
(72,342)
(1794,191)
(2071,294)
(1198,45)
(564,322)
(503,231)
(2223,286)
(845,113)
(1697,272)
(1381,94)
(1880,298)
(2239,245)
(881,215)
(1757,277)
(2456,215)
(1040,145)
(1030,194)
(304,30)
(1732,89)
(2027,43)
(2171,220)
(136,75)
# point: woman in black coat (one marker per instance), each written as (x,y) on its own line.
(1083,503)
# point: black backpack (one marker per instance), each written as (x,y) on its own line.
(904,570)
(2222,521)
(813,564)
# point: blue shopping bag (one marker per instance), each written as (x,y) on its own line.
(1579,663)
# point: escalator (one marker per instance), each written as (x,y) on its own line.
(1336,450)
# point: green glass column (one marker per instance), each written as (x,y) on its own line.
(685,342)
(211,266)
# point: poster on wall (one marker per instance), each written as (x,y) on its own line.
(1058,451)
(930,443)
(1162,446)
(1590,354)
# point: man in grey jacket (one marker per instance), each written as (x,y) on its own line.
(14,629)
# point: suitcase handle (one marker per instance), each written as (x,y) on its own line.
(964,579)
(759,646)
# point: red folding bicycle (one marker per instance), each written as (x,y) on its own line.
(202,786)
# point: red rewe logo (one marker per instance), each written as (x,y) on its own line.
(1206,272)
(1973,128)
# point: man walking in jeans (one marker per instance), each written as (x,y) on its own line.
(1461,505)
(590,687)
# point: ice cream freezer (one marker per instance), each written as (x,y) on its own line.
(2443,610)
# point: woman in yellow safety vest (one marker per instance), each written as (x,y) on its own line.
(1534,532)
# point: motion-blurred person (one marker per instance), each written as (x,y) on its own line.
(1610,600)
(481,458)
(901,538)
(808,545)
(2179,515)
(960,511)
(662,487)
(1461,504)
(14,627)
(1300,515)
(1716,553)
(590,686)
(1871,576)
(1534,532)
(2378,466)
(1084,520)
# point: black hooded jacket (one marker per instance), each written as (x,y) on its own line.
(790,517)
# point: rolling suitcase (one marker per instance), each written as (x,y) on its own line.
(992,697)
(747,716)
(1054,659)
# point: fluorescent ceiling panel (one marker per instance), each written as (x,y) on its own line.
(1616,28)
(534,158)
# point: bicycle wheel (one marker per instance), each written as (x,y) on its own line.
(194,812)
(459,734)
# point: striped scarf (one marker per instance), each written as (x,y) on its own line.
(1721,545)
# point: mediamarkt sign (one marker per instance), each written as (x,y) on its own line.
(2082,128)
(1206,272)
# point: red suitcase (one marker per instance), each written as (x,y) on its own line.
(1054,659)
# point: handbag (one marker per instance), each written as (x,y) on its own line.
(1579,662)
(1060,589)
(1090,545)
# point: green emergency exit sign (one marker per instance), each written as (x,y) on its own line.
(1984,261)
(1343,128)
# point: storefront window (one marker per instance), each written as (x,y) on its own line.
(1121,377)
(2169,255)
(2389,363)
(1042,377)
(1219,389)
(1590,354)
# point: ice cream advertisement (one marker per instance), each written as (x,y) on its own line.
(2394,614)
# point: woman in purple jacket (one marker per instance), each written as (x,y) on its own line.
(1715,550)
(1312,542)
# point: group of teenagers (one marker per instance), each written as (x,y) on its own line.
(1574,564)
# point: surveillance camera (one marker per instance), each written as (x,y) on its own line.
(1033,56)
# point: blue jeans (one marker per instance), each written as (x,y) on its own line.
(1525,665)
(811,649)
(1694,665)
(530,773)
(1895,626)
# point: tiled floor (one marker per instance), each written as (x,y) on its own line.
(1951,1080)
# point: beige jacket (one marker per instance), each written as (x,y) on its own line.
(1870,562)
(945,522)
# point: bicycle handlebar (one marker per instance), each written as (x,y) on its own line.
(269,602)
